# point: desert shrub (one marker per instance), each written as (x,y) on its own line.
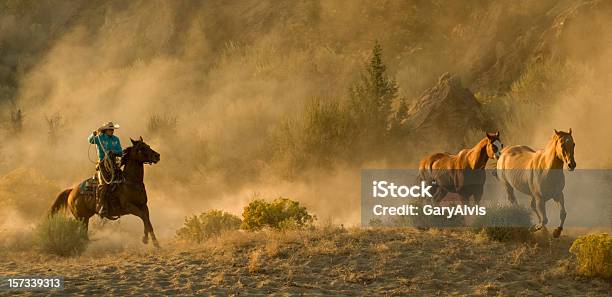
(326,133)
(317,139)
(282,213)
(208,224)
(504,223)
(348,130)
(60,235)
(542,81)
(376,222)
(594,255)
(533,93)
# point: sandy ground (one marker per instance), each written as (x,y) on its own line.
(330,261)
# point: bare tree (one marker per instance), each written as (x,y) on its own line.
(54,123)
(17,121)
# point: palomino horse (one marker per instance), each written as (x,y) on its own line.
(539,174)
(131,192)
(462,173)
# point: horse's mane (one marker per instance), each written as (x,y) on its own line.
(125,157)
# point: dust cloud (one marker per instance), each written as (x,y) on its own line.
(229,73)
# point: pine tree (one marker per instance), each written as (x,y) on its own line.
(371,97)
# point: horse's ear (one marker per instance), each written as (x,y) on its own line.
(133,141)
(140,138)
(556,132)
(570,131)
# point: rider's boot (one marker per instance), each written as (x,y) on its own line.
(102,204)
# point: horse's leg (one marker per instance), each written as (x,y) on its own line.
(86,226)
(147,222)
(465,198)
(535,210)
(477,194)
(511,197)
(465,194)
(438,196)
(562,214)
(133,209)
(541,208)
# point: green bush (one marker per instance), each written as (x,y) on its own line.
(208,224)
(594,254)
(505,223)
(281,213)
(60,235)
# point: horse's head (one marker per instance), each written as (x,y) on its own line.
(494,145)
(142,152)
(564,148)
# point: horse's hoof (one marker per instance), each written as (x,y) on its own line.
(156,244)
(557,232)
(145,240)
(535,228)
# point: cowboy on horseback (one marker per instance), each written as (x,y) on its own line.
(109,149)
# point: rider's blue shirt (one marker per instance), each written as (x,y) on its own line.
(110,144)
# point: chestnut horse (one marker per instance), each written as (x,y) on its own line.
(131,192)
(462,173)
(539,174)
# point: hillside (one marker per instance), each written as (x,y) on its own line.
(252,96)
(233,71)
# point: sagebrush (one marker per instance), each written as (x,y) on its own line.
(208,224)
(505,223)
(594,255)
(60,235)
(282,213)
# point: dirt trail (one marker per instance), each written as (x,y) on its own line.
(332,261)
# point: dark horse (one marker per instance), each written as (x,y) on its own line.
(131,193)
(462,173)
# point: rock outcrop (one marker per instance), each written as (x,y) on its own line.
(445,111)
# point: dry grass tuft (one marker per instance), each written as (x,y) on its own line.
(256,261)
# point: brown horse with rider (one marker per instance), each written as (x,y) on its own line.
(130,193)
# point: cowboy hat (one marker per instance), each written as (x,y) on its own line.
(109,126)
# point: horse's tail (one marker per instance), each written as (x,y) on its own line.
(61,201)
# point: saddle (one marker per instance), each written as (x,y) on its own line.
(89,187)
